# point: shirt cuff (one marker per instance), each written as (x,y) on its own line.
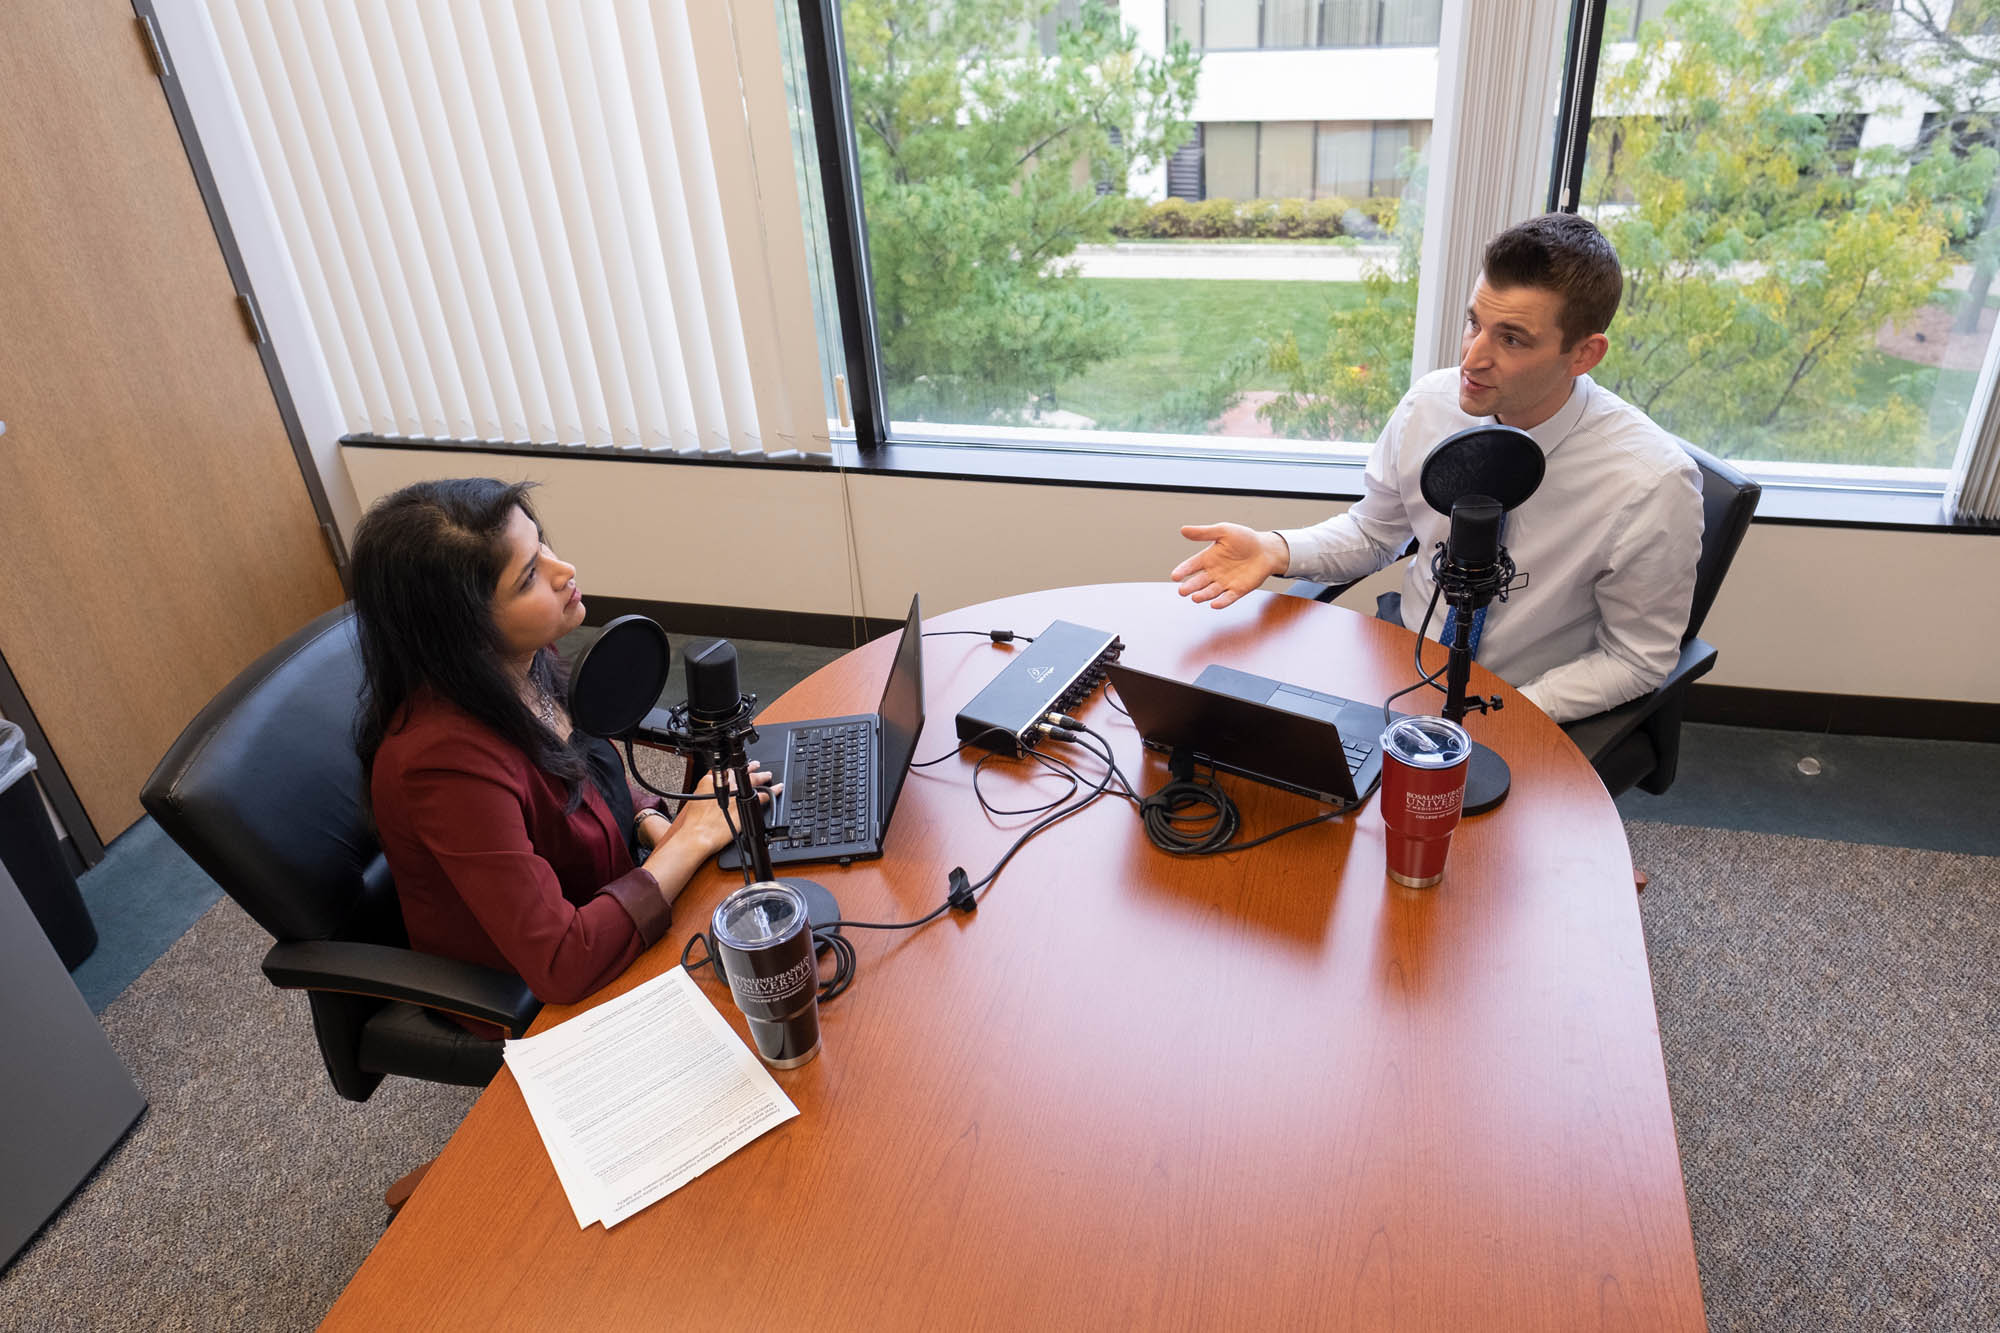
(639,894)
(1291,537)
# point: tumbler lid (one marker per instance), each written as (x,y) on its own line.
(1427,742)
(760,914)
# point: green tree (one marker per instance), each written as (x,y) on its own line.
(984,164)
(1954,65)
(1762,250)
(1348,391)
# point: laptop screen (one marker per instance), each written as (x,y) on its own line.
(1258,742)
(902,711)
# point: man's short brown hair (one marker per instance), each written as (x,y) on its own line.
(1564,254)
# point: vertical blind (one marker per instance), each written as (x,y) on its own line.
(539,221)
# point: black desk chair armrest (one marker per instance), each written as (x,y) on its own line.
(1318,592)
(388,973)
(1596,735)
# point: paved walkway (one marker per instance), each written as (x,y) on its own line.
(1222,260)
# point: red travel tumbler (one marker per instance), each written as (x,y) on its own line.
(1423,794)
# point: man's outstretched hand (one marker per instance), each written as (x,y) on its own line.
(1235,561)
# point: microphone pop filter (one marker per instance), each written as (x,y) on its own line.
(617,680)
(1500,462)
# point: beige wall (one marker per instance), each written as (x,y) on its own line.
(1888,613)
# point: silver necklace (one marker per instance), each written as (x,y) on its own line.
(545,708)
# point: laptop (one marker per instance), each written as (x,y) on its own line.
(1245,730)
(842,775)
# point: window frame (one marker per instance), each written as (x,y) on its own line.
(1838,494)
(1895,499)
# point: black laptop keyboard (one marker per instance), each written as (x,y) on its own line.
(1357,754)
(826,786)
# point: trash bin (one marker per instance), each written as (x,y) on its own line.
(34,858)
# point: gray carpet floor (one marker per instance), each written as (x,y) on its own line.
(1827,1012)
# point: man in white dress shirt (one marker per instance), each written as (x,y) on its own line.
(1610,539)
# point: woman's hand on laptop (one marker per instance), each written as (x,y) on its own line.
(1236,561)
(701,822)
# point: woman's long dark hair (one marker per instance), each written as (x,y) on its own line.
(426,561)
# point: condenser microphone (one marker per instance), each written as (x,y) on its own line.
(713,696)
(1475,533)
(1476,476)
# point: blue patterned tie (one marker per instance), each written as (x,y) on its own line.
(1451,628)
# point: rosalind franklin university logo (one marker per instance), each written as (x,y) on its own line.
(766,989)
(1432,803)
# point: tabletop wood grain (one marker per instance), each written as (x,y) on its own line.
(1134,1091)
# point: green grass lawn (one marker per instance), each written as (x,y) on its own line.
(1182,328)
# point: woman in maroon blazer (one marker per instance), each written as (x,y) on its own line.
(515,842)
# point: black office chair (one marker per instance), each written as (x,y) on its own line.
(1639,743)
(263,790)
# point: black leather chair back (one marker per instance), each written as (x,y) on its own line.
(263,790)
(1728,499)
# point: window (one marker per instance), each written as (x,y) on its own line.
(1329,159)
(1808,256)
(1058,252)
(1285,160)
(1412,23)
(1290,23)
(1240,25)
(1230,158)
(1346,159)
(1230,25)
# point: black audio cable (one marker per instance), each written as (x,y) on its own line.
(1191,815)
(997,635)
(1429,678)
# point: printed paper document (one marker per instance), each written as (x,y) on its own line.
(642,1094)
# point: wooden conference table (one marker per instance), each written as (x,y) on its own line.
(1267,1090)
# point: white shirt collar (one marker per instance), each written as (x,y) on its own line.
(1557,428)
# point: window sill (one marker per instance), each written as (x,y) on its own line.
(1792,504)
(1326,479)
(1333,480)
(1783,502)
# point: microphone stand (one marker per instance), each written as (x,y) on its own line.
(1467,590)
(723,744)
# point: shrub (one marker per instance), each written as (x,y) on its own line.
(1169,217)
(1214,217)
(1322,217)
(1287,219)
(1281,219)
(1123,215)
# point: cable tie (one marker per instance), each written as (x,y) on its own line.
(959,895)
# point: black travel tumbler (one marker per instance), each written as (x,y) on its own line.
(763,943)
